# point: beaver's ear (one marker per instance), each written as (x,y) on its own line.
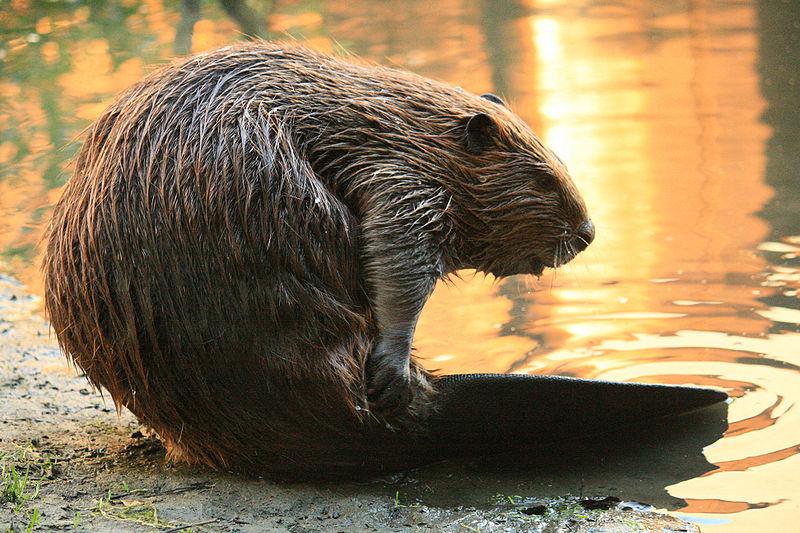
(493,98)
(481,132)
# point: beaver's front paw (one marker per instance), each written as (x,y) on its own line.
(389,389)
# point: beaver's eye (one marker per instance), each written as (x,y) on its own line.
(493,98)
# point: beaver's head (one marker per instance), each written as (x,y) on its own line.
(528,211)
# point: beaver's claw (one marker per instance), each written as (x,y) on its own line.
(389,389)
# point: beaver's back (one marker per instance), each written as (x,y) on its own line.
(198,269)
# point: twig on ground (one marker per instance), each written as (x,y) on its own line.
(187,526)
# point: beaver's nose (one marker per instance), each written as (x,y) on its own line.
(583,236)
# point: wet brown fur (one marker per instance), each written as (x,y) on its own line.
(206,262)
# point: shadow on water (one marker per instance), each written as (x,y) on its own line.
(497,19)
(779,78)
(251,21)
(637,462)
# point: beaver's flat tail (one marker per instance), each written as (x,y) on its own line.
(494,413)
(476,415)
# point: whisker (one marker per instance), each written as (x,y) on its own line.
(557,259)
(556,263)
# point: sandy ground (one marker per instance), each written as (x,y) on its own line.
(70,463)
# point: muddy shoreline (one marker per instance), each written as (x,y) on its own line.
(70,462)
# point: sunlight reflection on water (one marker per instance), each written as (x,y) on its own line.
(679,123)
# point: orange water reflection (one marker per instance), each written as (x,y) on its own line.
(658,109)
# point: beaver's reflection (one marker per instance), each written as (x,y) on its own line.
(252,22)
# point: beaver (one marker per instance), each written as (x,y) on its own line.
(250,234)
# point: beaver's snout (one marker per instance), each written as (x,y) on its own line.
(583,236)
(572,243)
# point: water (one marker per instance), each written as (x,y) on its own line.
(680,122)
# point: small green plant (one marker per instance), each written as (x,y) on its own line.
(76,520)
(34,521)
(144,513)
(502,499)
(17,488)
(633,524)
(399,505)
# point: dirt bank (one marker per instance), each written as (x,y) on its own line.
(69,462)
